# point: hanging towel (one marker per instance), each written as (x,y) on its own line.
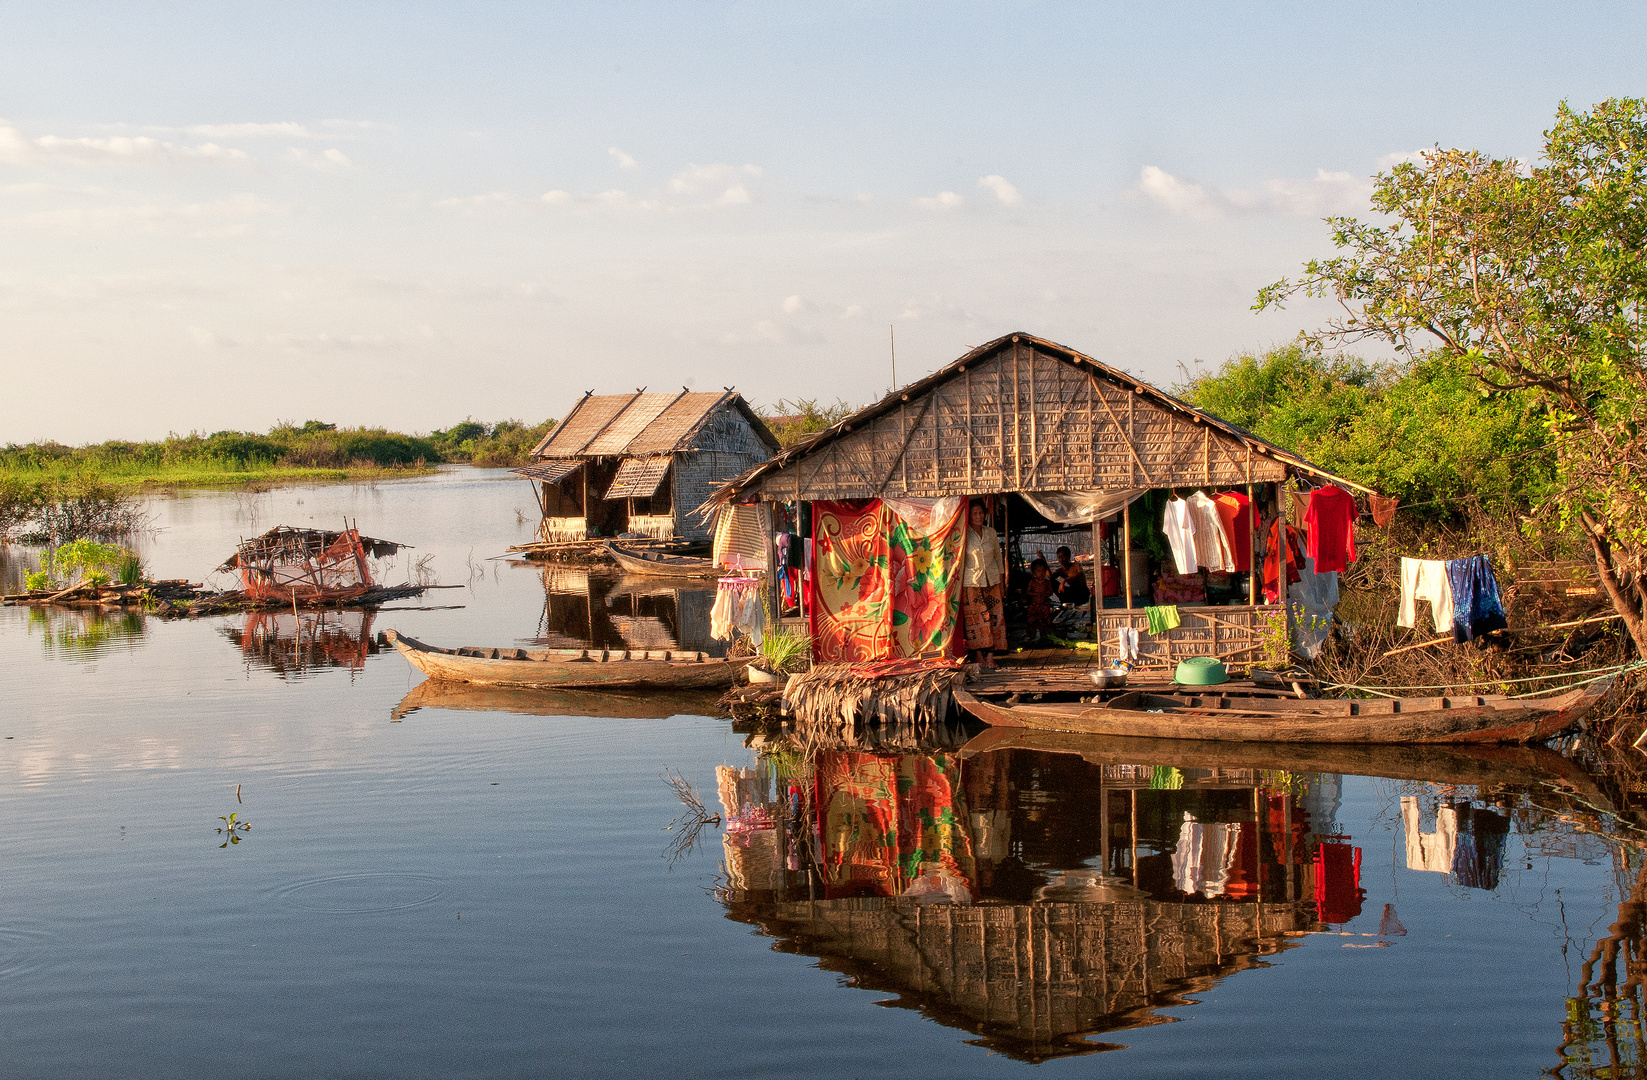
(1179,525)
(1425,579)
(1330,528)
(1162,618)
(1235,511)
(1477,607)
(1212,544)
(1126,638)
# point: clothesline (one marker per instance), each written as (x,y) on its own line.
(1386,691)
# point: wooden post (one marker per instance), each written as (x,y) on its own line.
(1126,555)
(1255,569)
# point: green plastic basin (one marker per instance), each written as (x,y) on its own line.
(1201,671)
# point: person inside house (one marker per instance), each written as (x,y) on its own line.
(1037,595)
(983,611)
(1071,580)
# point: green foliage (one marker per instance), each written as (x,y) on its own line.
(37,580)
(792,421)
(786,649)
(129,570)
(1425,431)
(506,443)
(92,561)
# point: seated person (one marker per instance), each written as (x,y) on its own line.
(1039,588)
(1071,580)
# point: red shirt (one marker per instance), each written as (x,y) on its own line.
(1235,511)
(1330,527)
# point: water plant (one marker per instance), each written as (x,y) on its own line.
(785,649)
(232,828)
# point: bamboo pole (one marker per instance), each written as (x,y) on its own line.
(1511,630)
(1253,571)
(1126,555)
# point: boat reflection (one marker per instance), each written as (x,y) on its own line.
(616,704)
(1040,890)
(608,610)
(295,644)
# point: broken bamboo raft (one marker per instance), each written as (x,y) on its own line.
(1220,717)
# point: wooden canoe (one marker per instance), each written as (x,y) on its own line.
(661,563)
(1219,717)
(570,669)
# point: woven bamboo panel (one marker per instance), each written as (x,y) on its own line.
(1234,635)
(1020,419)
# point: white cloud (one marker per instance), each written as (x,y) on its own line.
(734,196)
(944,200)
(472,202)
(792,304)
(328,160)
(285,130)
(1390,161)
(206,339)
(350,342)
(623,160)
(556,197)
(853,311)
(18,149)
(1325,194)
(721,185)
(215,219)
(1003,188)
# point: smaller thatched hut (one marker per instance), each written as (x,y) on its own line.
(639,464)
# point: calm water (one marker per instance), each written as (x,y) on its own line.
(462,885)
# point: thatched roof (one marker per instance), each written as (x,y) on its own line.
(641,425)
(1020,414)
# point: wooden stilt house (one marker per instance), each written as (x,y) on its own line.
(1020,419)
(640,464)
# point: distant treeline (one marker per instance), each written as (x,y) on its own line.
(1425,431)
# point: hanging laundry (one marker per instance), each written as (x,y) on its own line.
(1383,509)
(1425,579)
(740,536)
(1430,851)
(1297,505)
(1330,526)
(1203,857)
(1179,525)
(1295,560)
(737,609)
(1235,511)
(1312,602)
(1338,892)
(1477,607)
(1126,638)
(1162,618)
(1212,544)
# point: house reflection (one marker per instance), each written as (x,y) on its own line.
(294,644)
(1033,898)
(607,610)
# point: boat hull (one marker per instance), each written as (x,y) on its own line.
(590,669)
(1448,721)
(660,565)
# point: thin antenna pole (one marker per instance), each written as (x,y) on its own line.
(892,339)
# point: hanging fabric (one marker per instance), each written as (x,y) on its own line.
(926,549)
(1383,509)
(1295,560)
(850,601)
(1212,544)
(1126,639)
(740,536)
(1235,512)
(1330,528)
(1080,507)
(1477,606)
(1425,579)
(1179,525)
(737,609)
(1312,602)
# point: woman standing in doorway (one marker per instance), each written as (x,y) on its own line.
(982,588)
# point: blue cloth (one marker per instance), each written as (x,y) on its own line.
(1477,607)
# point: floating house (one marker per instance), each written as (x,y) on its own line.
(1060,448)
(640,464)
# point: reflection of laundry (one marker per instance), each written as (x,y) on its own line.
(1338,889)
(1204,856)
(1480,854)
(1430,851)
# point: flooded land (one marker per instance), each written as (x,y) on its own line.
(262,845)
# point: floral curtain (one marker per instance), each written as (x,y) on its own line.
(851,610)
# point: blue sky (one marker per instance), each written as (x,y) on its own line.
(219,216)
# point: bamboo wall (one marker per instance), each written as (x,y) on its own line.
(1020,419)
(1235,635)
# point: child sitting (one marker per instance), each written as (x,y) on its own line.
(1037,592)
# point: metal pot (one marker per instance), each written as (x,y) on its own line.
(1108,678)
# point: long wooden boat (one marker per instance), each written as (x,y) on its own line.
(570,669)
(640,704)
(661,563)
(1219,717)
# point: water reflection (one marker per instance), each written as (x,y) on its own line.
(633,704)
(609,610)
(1040,891)
(86,633)
(295,644)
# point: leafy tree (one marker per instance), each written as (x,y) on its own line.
(792,421)
(1535,275)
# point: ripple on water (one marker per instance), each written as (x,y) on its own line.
(363,894)
(21,950)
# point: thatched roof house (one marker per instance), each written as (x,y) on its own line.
(1052,439)
(639,464)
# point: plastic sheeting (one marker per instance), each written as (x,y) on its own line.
(1080,507)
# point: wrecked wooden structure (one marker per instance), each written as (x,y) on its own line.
(306,564)
(640,465)
(1056,445)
